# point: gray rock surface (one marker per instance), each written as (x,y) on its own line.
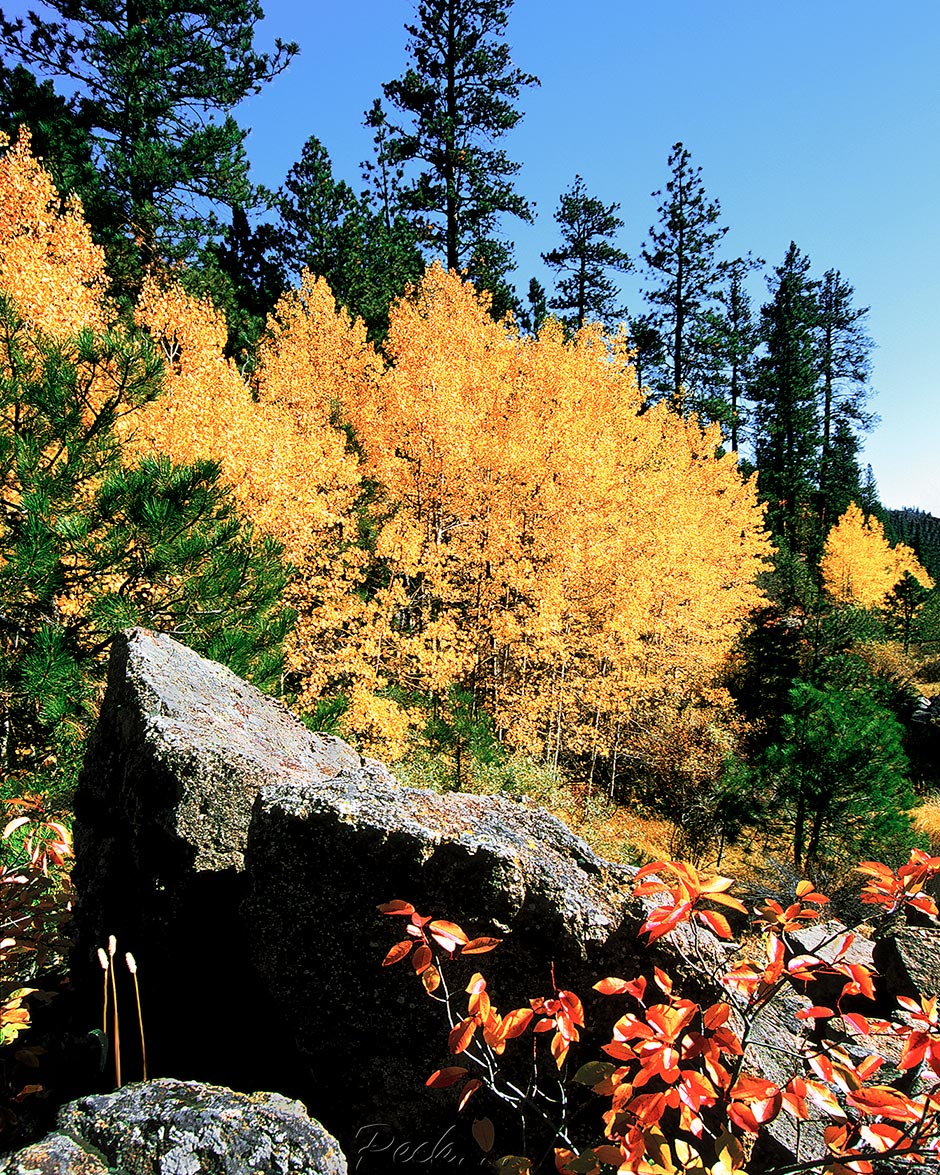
(910,960)
(168,1127)
(56,1154)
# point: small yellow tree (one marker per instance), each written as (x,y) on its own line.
(859,566)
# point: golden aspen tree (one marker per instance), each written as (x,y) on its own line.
(287,460)
(314,359)
(563,554)
(49,264)
(859,566)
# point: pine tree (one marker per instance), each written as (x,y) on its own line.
(842,776)
(458,96)
(902,604)
(89,546)
(243,275)
(786,425)
(683,273)
(151,80)
(840,479)
(532,317)
(586,257)
(369,255)
(870,500)
(738,337)
(844,350)
(647,347)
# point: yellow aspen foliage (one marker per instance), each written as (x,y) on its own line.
(569,557)
(496,514)
(859,566)
(311,359)
(49,264)
(285,458)
(285,463)
(312,354)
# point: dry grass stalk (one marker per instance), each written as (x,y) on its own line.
(132,967)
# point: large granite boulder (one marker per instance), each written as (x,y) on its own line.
(242,859)
(168,1127)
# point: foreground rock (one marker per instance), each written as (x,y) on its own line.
(242,859)
(182,1128)
(910,960)
(56,1154)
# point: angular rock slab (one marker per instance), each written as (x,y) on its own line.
(180,751)
(910,960)
(321,858)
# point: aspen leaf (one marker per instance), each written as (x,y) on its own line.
(396,907)
(611,986)
(448,935)
(516,1022)
(461,1035)
(715,922)
(479,946)
(421,959)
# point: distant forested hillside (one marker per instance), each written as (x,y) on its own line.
(920,531)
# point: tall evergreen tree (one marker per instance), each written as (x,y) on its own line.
(737,337)
(870,500)
(844,357)
(536,312)
(840,479)
(786,424)
(368,254)
(154,84)
(683,273)
(586,257)
(244,275)
(458,96)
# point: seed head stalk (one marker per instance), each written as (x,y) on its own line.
(112,948)
(132,967)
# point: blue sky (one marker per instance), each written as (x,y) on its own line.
(813,120)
